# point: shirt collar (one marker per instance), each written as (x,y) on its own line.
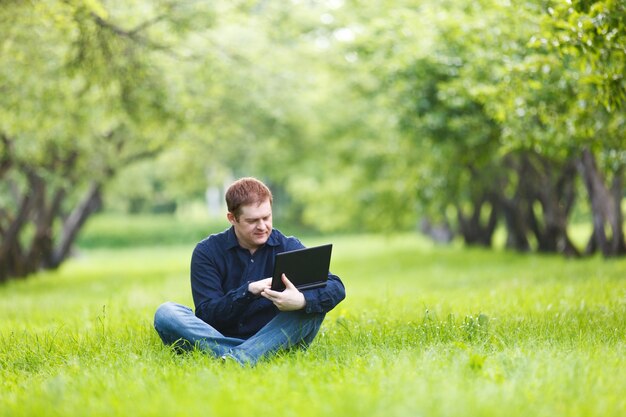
(231,239)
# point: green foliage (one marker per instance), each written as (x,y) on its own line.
(80,82)
(363,115)
(424,330)
(444,96)
(593,33)
(85,92)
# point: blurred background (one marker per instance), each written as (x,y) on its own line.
(492,123)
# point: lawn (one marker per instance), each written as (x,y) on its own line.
(424,331)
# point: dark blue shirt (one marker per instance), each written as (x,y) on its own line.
(221,271)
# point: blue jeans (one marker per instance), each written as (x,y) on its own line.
(177,325)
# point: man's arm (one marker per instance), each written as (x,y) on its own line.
(213,304)
(324,299)
(320,300)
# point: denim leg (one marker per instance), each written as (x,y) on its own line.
(286,330)
(177,325)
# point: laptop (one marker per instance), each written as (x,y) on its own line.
(306,268)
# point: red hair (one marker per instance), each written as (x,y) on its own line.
(246,191)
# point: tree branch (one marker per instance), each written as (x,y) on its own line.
(145,25)
(5,157)
(135,34)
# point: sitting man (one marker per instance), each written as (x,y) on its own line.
(237,315)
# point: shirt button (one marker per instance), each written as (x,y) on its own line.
(252,260)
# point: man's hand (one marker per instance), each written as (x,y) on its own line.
(288,300)
(257,287)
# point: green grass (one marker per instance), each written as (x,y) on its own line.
(425,331)
(110,230)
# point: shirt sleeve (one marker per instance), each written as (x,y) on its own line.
(324,299)
(213,305)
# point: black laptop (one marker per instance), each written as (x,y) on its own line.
(306,268)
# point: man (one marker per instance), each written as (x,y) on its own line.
(237,315)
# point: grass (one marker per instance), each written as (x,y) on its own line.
(425,330)
(118,231)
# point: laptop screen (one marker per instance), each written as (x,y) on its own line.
(306,268)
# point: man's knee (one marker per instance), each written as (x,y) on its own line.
(308,324)
(167,315)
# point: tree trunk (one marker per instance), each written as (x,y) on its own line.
(605,207)
(514,208)
(471,227)
(5,158)
(27,225)
(42,246)
(39,191)
(556,197)
(91,202)
(11,253)
(516,227)
(618,246)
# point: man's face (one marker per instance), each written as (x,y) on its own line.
(254,225)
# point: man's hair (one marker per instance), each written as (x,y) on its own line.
(246,191)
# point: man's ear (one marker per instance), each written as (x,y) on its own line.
(231,217)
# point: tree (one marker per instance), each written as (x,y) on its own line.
(418,66)
(468,108)
(82,97)
(573,81)
(592,35)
